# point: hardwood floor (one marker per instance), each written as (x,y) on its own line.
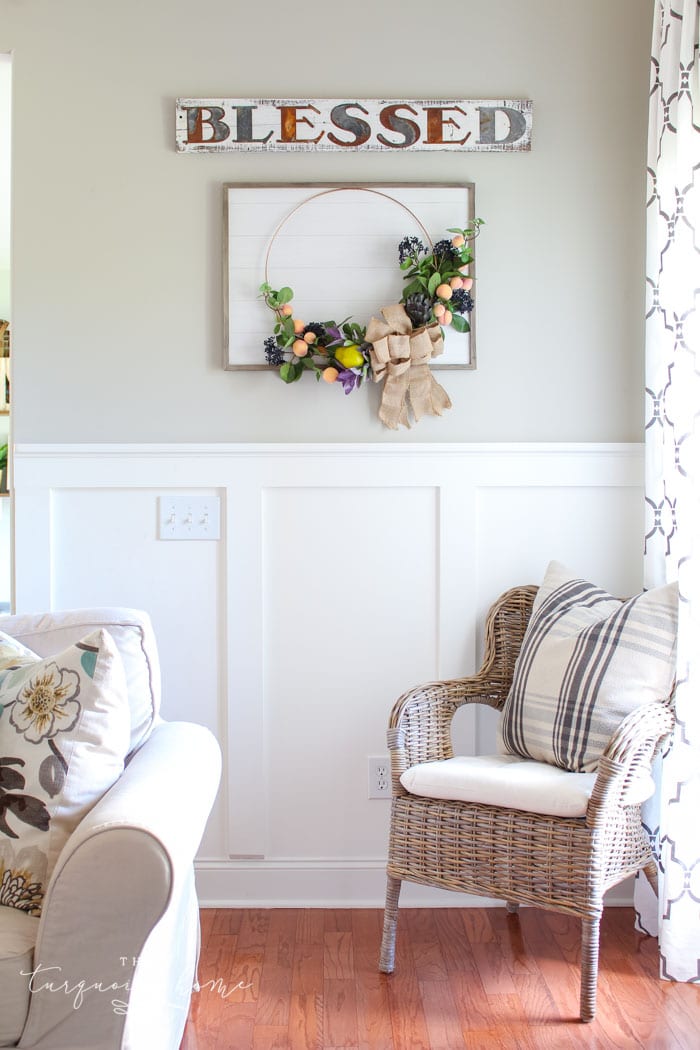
(465,979)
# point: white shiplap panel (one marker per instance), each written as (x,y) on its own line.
(340,290)
(348,252)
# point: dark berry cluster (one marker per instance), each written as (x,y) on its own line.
(445,254)
(316,327)
(274,354)
(461,301)
(409,248)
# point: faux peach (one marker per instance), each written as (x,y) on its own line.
(300,348)
(443,291)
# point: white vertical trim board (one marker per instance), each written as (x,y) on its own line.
(344,575)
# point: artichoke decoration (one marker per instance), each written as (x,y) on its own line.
(419,308)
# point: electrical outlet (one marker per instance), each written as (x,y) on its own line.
(379,777)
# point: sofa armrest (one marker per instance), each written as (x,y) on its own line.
(112,884)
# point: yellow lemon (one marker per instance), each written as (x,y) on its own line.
(349,356)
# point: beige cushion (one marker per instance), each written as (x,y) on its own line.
(64,735)
(13,654)
(18,933)
(503,780)
(587,660)
(131,629)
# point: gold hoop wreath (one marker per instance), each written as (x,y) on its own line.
(395,349)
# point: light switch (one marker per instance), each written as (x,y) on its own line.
(189,518)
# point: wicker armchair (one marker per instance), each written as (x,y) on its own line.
(564,864)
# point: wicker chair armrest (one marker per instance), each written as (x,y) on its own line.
(627,759)
(421,719)
(421,716)
(420,723)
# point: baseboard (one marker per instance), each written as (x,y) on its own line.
(330,884)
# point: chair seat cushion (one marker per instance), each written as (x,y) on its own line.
(18,932)
(503,780)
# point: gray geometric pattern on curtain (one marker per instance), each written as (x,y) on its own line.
(672,547)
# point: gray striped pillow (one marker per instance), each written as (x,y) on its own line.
(586,661)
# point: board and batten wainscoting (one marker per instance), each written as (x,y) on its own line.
(344,575)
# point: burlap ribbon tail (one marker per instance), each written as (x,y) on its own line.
(401,357)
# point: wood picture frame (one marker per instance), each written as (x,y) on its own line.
(335,245)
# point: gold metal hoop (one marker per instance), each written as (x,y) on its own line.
(339,189)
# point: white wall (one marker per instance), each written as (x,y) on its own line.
(343,576)
(117,281)
(5,112)
(117,336)
(5,155)
(5,560)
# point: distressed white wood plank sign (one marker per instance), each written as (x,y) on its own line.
(217,125)
(337,250)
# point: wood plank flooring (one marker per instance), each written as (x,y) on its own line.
(465,979)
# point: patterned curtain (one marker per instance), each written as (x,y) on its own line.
(673,466)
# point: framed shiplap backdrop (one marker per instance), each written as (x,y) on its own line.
(337,250)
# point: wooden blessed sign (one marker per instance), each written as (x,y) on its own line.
(207,125)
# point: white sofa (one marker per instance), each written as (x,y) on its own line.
(114,953)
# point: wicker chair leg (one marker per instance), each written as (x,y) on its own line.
(590,933)
(652,874)
(512,908)
(391,913)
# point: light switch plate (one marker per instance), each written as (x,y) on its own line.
(189,517)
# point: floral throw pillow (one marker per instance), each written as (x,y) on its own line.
(64,734)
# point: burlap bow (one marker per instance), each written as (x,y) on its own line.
(401,356)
